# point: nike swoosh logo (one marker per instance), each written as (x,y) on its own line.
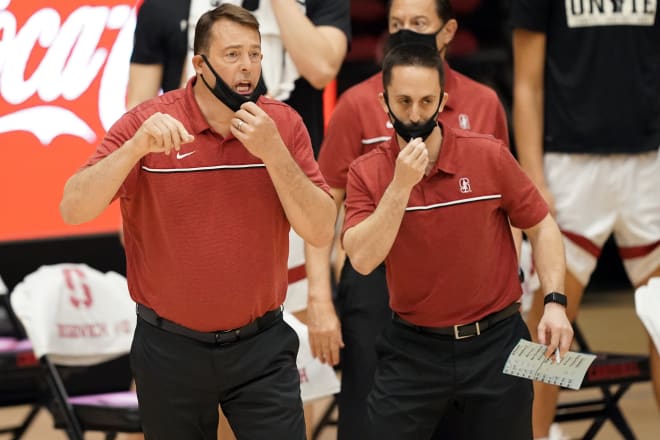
(184,155)
(388,124)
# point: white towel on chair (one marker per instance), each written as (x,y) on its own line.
(647,305)
(75,314)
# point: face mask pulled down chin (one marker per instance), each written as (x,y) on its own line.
(228,96)
(410,131)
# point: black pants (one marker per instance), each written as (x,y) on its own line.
(180,383)
(363,307)
(364,311)
(419,376)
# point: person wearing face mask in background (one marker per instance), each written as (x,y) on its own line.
(357,126)
(206,176)
(436,209)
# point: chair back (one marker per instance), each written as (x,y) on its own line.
(75,314)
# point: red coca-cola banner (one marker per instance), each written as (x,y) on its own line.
(63,74)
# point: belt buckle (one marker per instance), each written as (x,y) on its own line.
(219,336)
(457,331)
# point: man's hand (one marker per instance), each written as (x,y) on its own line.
(325,338)
(411,163)
(555,330)
(161,133)
(256,130)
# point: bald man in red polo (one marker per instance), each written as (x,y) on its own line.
(434,203)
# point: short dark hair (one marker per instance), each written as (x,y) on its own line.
(225,11)
(443,8)
(413,54)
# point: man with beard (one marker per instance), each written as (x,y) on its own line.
(357,126)
(434,203)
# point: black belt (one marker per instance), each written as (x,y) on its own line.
(218,337)
(462,331)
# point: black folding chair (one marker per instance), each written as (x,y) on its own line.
(80,322)
(19,372)
(107,410)
(613,374)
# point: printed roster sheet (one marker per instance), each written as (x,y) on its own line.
(527,360)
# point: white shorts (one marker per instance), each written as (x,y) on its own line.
(596,196)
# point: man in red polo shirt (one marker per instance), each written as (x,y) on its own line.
(434,203)
(211,178)
(357,126)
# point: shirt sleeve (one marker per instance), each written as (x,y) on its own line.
(119,133)
(342,143)
(521,200)
(335,13)
(530,14)
(359,203)
(148,47)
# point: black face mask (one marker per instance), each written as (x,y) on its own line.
(225,93)
(413,130)
(406,36)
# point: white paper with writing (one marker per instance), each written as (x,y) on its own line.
(527,360)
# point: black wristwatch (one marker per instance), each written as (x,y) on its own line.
(555,297)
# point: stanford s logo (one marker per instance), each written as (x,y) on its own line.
(464,185)
(80,292)
(464,121)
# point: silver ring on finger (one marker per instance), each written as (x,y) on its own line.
(240,125)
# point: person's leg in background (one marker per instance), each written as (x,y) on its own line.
(308,408)
(654,358)
(638,237)
(578,209)
(616,195)
(545,395)
(363,308)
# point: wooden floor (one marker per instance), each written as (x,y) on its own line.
(609,323)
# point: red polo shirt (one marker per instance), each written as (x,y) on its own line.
(358,123)
(206,235)
(453,260)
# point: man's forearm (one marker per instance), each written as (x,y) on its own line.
(317,266)
(528,128)
(310,210)
(368,243)
(88,192)
(529,68)
(548,254)
(317,260)
(317,52)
